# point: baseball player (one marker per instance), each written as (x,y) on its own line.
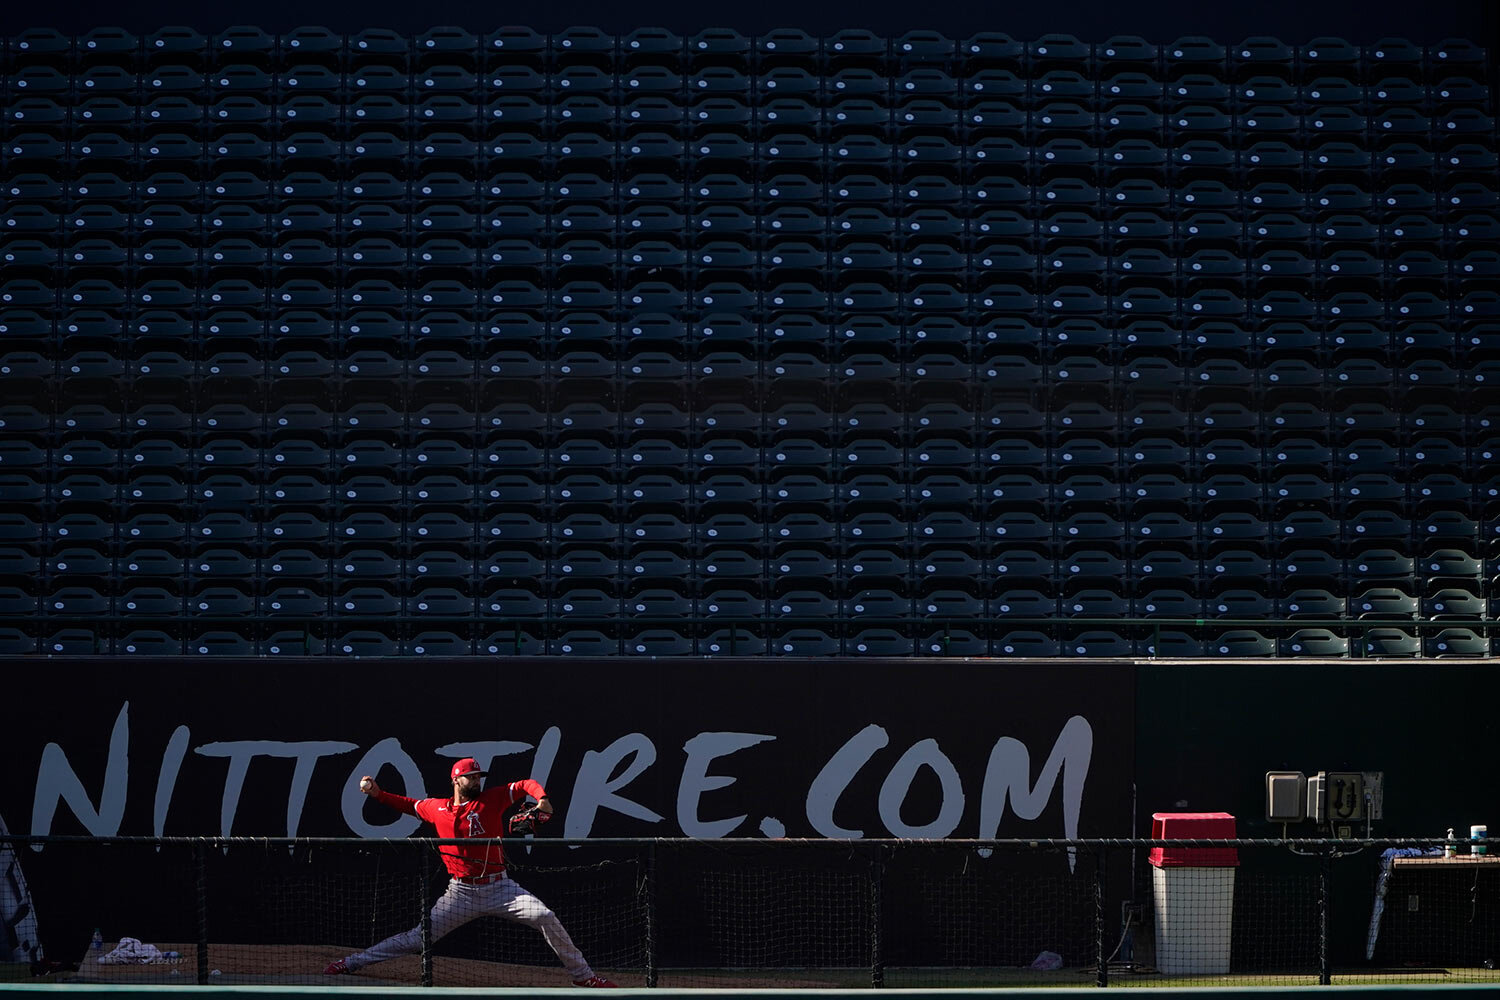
(479,884)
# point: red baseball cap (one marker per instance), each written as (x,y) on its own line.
(466,766)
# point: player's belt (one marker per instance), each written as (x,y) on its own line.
(480,879)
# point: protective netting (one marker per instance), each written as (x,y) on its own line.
(1440,913)
(744,917)
(784,914)
(968,919)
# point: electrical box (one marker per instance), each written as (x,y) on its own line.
(1286,796)
(1317,801)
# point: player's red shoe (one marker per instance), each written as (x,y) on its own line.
(597,982)
(336,968)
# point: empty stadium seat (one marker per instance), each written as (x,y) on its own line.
(307,324)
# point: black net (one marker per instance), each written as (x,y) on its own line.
(981,918)
(798,917)
(772,914)
(1439,914)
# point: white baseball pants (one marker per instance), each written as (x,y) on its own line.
(463,903)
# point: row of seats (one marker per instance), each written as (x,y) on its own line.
(805,570)
(653,542)
(659,272)
(1445,508)
(1460,108)
(308,192)
(1148,350)
(1211,285)
(507,92)
(662,434)
(1202,349)
(1443,538)
(1244,236)
(777,325)
(851,229)
(792,466)
(855,522)
(521,167)
(97,272)
(171,423)
(805,437)
(1248,643)
(792,135)
(1060,378)
(104,199)
(928,598)
(725,46)
(583,542)
(308,96)
(562,77)
(1444,505)
(803,180)
(591,307)
(1093,571)
(878,327)
(1145,221)
(847,291)
(1449,305)
(310,377)
(976,460)
(789,236)
(946,145)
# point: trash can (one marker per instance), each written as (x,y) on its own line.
(1192,889)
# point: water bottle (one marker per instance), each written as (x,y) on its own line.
(98,940)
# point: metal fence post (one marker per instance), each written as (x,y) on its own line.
(877,936)
(425,918)
(1101,940)
(650,893)
(200,864)
(1325,907)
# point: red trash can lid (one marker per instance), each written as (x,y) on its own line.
(1193,826)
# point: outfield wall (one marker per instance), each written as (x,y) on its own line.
(880,748)
(93,748)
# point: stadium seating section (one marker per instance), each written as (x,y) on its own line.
(587,344)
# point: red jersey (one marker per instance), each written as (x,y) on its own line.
(481,817)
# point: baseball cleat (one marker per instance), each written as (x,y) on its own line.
(336,968)
(597,982)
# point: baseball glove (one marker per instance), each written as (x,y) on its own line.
(525,822)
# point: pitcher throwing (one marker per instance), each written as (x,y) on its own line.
(479,885)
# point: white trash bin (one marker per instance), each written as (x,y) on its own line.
(1192,894)
(1194,910)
